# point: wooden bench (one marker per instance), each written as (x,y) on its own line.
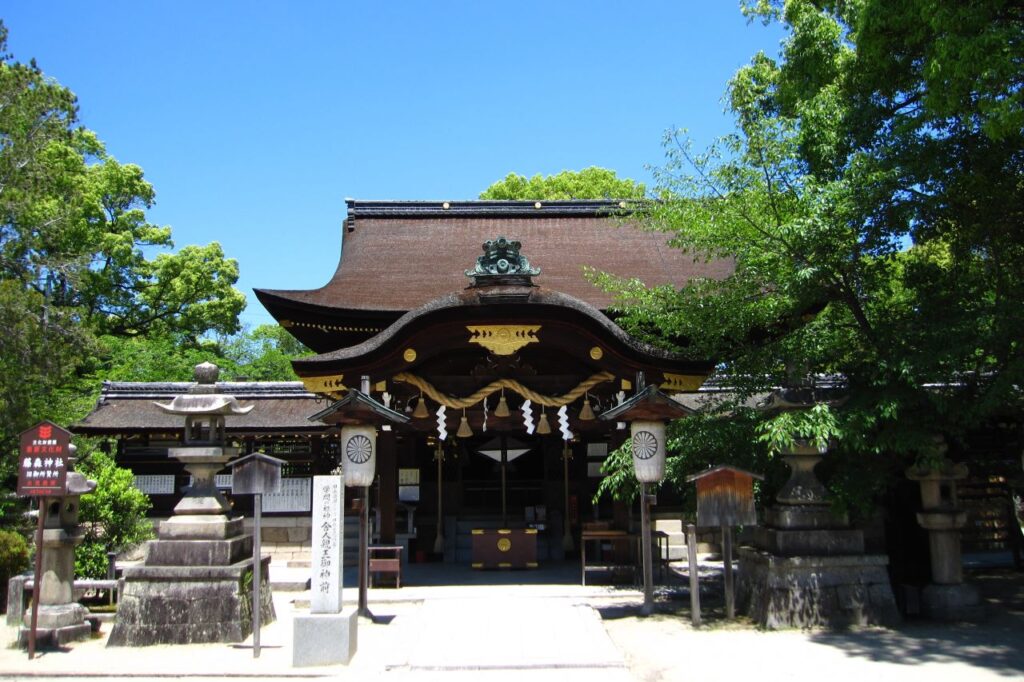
(385,560)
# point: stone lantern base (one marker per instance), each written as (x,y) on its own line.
(809,569)
(189,604)
(58,625)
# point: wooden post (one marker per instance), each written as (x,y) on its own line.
(387,500)
(364,552)
(257,587)
(567,544)
(691,550)
(730,592)
(37,586)
(504,466)
(439,536)
(645,539)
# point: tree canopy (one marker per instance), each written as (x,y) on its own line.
(872,196)
(589,183)
(74,258)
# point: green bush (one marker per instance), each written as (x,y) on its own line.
(13,560)
(113,515)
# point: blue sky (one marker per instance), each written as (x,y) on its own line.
(254,120)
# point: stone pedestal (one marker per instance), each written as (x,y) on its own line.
(189,604)
(808,567)
(324,638)
(196,583)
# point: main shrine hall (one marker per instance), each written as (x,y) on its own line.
(480,323)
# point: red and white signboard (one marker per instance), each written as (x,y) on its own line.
(43,463)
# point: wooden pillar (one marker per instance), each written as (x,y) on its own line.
(387,471)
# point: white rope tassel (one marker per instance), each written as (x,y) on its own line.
(442,429)
(563,423)
(527,417)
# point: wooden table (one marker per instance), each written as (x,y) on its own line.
(625,549)
(386,560)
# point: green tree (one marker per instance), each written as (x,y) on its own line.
(589,183)
(871,197)
(74,240)
(113,515)
(265,353)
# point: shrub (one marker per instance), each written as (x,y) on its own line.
(13,560)
(113,515)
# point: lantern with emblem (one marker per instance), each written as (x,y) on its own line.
(647,412)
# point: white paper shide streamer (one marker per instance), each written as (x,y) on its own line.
(442,428)
(528,417)
(563,423)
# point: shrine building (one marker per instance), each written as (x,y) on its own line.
(479,322)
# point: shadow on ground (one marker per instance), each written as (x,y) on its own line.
(994,644)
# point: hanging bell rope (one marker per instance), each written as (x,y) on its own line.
(511,384)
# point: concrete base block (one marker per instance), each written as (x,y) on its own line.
(55,616)
(809,542)
(324,638)
(58,624)
(189,605)
(200,527)
(199,552)
(55,637)
(952,603)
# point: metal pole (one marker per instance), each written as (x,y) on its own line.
(691,550)
(645,538)
(364,543)
(567,543)
(257,587)
(730,592)
(111,573)
(37,586)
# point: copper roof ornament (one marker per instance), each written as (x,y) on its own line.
(501,263)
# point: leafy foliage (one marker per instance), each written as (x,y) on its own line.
(75,275)
(872,199)
(14,558)
(589,183)
(113,515)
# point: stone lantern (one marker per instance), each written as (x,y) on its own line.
(192,587)
(948,597)
(61,618)
(807,566)
(647,412)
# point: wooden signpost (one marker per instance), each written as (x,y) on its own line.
(42,472)
(725,498)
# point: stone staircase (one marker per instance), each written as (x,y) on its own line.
(708,539)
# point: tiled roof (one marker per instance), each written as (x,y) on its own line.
(129,406)
(397,256)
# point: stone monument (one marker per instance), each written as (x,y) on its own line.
(808,567)
(61,619)
(325,635)
(195,583)
(948,597)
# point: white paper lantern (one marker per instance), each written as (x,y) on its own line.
(648,446)
(359,455)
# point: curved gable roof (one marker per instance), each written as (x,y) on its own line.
(397,256)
